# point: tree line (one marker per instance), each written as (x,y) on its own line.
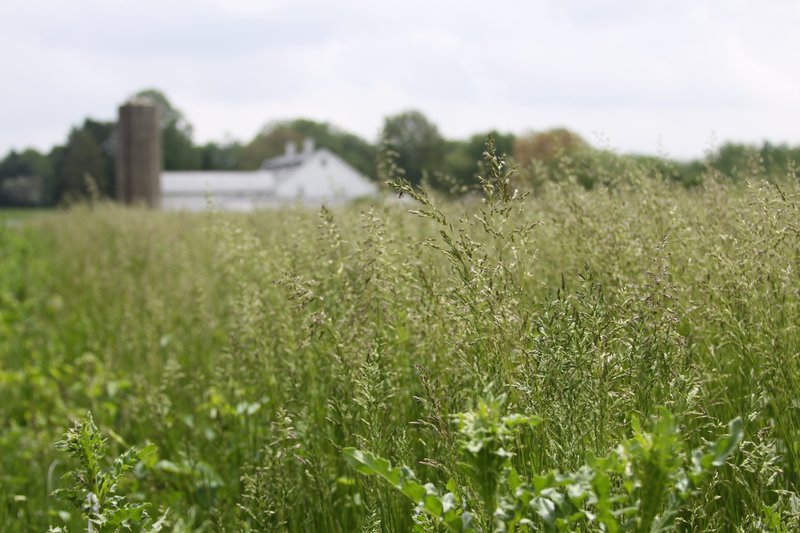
(85,163)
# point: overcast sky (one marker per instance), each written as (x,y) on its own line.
(672,77)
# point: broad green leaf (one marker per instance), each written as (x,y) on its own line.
(727,444)
(148,455)
(401,478)
(545,508)
(515,420)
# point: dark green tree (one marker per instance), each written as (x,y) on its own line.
(419,145)
(271,141)
(463,159)
(35,170)
(350,147)
(220,156)
(736,161)
(268,143)
(780,160)
(53,186)
(743,161)
(82,157)
(29,162)
(104,134)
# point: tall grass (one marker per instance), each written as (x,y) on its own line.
(252,349)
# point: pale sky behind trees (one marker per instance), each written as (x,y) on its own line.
(673,77)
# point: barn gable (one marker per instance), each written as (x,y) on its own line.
(309,177)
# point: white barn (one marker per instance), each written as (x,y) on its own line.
(308,177)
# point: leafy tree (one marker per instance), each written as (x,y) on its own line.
(561,155)
(590,167)
(503,142)
(738,162)
(220,156)
(780,160)
(104,134)
(29,163)
(271,142)
(735,160)
(547,146)
(743,161)
(53,186)
(180,152)
(352,148)
(419,145)
(463,159)
(82,157)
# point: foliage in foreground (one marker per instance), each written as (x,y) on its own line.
(251,350)
(641,486)
(93,489)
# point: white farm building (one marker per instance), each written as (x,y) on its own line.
(310,177)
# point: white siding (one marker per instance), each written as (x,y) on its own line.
(198,182)
(324,177)
(321,178)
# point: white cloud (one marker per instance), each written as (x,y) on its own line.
(638,71)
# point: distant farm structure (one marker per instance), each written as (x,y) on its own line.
(139,156)
(310,176)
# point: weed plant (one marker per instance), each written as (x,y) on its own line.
(257,353)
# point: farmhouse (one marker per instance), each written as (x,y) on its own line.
(311,176)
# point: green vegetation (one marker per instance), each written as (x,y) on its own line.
(15,213)
(620,358)
(653,474)
(94,488)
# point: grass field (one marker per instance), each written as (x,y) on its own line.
(15,213)
(272,359)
